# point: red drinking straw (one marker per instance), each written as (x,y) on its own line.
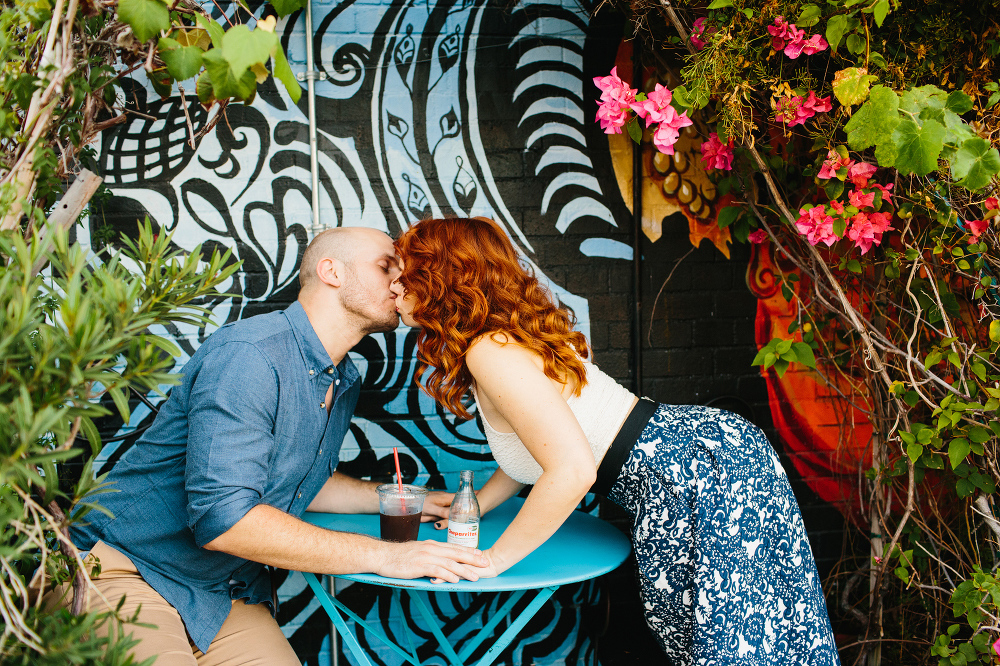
(399,475)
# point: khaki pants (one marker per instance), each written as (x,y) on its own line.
(249,636)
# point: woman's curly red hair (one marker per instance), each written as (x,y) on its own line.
(468,281)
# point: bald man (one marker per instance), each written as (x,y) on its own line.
(213,491)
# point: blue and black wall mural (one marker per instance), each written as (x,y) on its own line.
(431,108)
(423,108)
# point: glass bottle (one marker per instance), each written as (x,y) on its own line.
(463,518)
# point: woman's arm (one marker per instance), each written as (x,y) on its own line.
(497,490)
(509,377)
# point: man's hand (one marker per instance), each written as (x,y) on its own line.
(436,505)
(432,559)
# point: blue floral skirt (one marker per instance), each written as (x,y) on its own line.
(725,569)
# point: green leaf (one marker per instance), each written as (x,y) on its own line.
(958,102)
(855,43)
(215,31)
(286,7)
(874,122)
(146,17)
(995,330)
(121,402)
(728,215)
(854,266)
(283,73)
(979,434)
(916,100)
(958,449)
(719,4)
(183,62)
(243,48)
(918,146)
(881,11)
(805,354)
(809,16)
(634,130)
(913,451)
(835,29)
(974,163)
(225,83)
(851,85)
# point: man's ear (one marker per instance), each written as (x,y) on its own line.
(330,271)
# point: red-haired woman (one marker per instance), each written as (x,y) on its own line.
(725,569)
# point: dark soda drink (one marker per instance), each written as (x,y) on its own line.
(399,528)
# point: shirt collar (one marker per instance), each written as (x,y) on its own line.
(314,354)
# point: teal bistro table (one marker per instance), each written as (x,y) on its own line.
(583,548)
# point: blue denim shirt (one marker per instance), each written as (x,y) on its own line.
(247,426)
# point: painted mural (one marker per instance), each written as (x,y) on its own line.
(426,107)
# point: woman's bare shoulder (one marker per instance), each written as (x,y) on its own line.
(489,347)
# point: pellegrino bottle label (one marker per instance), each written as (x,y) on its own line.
(464,534)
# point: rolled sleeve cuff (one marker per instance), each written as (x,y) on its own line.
(223,514)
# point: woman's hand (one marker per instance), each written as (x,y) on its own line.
(491,570)
(436,506)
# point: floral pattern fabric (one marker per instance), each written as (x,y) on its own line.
(725,569)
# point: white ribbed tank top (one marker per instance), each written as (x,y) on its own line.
(601,408)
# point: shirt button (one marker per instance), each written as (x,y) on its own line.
(312,372)
(336,382)
(322,405)
(329,371)
(300,494)
(321,450)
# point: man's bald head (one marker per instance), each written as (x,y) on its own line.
(340,243)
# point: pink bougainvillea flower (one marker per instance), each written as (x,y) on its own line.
(757,237)
(655,107)
(859,199)
(697,30)
(833,163)
(992,204)
(717,155)
(860,173)
(816,104)
(616,101)
(796,41)
(816,226)
(867,228)
(977,227)
(796,111)
(886,195)
(668,132)
(777,32)
(612,118)
(837,206)
(814,44)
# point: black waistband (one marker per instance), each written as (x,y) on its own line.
(620,449)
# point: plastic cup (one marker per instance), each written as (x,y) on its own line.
(399,511)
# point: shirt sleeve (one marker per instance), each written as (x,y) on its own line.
(231,417)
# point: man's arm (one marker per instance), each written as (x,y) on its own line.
(345,494)
(273,537)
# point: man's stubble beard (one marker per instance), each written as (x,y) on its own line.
(367,305)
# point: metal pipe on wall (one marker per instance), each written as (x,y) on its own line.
(637,235)
(317,225)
